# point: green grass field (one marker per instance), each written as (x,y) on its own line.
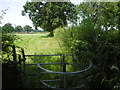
(38,44)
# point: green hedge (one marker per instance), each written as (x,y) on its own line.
(95,44)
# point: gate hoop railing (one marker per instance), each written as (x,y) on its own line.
(64,73)
(76,72)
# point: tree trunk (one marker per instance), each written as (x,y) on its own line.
(51,34)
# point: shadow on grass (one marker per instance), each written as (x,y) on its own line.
(45,36)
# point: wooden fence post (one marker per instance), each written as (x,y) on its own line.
(14,53)
(23,56)
(24,68)
(21,77)
(19,57)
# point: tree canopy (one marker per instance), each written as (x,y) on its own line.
(27,28)
(8,28)
(97,39)
(18,29)
(105,14)
(50,15)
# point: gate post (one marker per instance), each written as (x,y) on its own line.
(64,70)
(14,53)
(19,56)
(23,55)
(23,59)
(24,68)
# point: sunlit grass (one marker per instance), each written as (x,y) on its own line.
(38,44)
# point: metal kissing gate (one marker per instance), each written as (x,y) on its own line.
(62,79)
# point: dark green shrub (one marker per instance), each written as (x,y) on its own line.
(102,47)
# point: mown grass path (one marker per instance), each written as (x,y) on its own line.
(38,44)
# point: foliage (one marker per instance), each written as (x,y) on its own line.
(98,46)
(7,28)
(10,71)
(97,38)
(105,14)
(18,29)
(7,38)
(105,44)
(50,15)
(65,38)
(7,43)
(27,28)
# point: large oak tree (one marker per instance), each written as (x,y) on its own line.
(50,15)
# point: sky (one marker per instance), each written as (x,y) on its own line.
(13,14)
